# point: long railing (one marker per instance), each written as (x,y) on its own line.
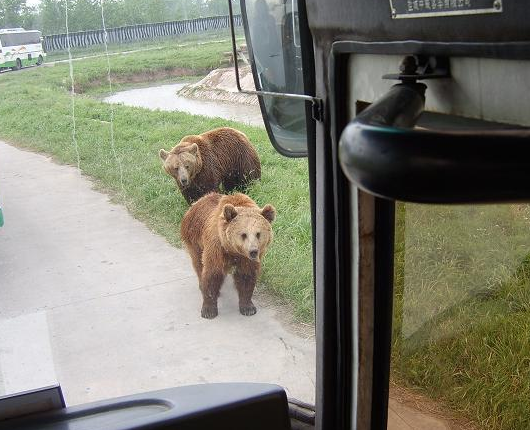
(130,33)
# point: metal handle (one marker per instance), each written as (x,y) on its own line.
(423,166)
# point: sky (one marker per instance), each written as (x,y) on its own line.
(32,2)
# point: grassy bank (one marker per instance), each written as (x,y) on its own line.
(36,112)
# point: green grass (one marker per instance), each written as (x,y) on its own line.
(462,309)
(143,67)
(36,113)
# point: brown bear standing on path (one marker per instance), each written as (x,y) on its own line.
(224,233)
(201,163)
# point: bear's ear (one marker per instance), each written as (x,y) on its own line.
(229,212)
(268,212)
(193,149)
(163,154)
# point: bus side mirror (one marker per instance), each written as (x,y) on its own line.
(272,36)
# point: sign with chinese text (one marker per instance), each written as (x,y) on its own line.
(432,8)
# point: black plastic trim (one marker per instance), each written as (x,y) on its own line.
(384,227)
(343,250)
(235,406)
(329,382)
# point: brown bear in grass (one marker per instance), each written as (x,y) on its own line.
(225,234)
(201,163)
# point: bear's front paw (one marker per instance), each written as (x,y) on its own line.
(247,310)
(209,312)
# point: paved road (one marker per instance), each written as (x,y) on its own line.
(90,298)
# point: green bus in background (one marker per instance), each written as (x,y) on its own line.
(20,48)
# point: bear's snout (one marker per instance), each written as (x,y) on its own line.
(183,178)
(253,254)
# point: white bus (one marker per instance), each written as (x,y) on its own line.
(20,48)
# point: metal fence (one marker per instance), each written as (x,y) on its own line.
(130,33)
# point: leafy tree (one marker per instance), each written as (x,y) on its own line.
(52,16)
(11,13)
(141,11)
(31,18)
(86,14)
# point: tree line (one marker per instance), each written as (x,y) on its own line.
(49,16)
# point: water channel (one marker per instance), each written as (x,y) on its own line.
(164,97)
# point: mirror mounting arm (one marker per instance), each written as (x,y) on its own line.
(317,109)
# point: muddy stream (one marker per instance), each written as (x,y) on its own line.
(164,97)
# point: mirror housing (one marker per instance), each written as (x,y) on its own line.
(274,45)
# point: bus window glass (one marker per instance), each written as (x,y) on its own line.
(461,316)
(98,291)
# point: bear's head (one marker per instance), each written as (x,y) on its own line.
(247,231)
(183,162)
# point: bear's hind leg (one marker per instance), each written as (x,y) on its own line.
(245,283)
(210,285)
(196,259)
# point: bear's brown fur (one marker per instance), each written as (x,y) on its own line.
(225,233)
(201,163)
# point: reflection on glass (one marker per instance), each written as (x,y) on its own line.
(275,43)
(462,312)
